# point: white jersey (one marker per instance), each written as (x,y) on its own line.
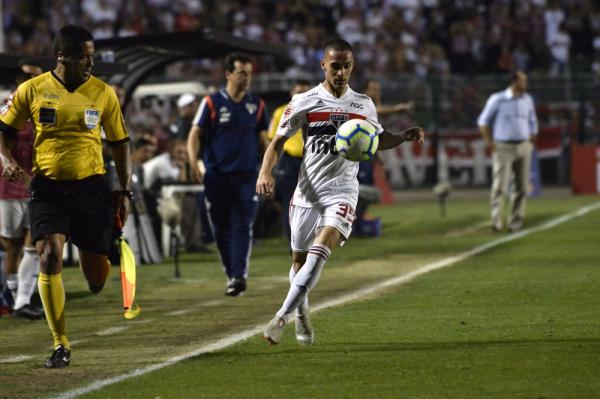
(325,178)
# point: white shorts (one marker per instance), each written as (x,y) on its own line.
(305,222)
(14,218)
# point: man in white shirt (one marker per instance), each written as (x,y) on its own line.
(322,208)
(515,127)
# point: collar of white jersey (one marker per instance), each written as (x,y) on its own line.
(348,92)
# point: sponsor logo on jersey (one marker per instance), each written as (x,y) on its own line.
(224,115)
(356,105)
(320,102)
(91,118)
(363,96)
(251,108)
(51,96)
(312,94)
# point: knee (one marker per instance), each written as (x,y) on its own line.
(50,255)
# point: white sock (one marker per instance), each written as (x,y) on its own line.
(29,268)
(305,279)
(291,276)
(12,283)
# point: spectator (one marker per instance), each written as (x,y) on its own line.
(186,108)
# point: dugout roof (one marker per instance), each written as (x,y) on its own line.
(145,54)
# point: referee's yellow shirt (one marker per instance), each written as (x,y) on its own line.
(294,146)
(68,125)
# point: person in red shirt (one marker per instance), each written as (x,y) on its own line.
(21,262)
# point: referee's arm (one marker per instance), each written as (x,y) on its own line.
(122,157)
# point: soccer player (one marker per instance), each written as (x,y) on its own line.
(20,261)
(232,126)
(70,197)
(288,167)
(322,208)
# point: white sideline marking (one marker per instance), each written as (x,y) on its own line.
(236,338)
(112,330)
(179,312)
(207,304)
(15,359)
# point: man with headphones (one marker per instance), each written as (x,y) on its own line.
(70,197)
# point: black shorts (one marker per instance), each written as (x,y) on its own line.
(80,209)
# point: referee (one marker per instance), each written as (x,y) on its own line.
(70,197)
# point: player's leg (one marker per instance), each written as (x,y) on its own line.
(521,167)
(243,212)
(219,213)
(29,270)
(502,159)
(11,236)
(12,252)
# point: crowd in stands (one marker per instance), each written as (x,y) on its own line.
(421,37)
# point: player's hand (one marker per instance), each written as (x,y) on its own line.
(265,185)
(196,173)
(13,172)
(414,134)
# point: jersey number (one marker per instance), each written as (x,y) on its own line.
(324,145)
(346,212)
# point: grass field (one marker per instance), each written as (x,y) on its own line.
(520,319)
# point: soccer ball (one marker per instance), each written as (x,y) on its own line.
(356,140)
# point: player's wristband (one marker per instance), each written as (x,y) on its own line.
(126,193)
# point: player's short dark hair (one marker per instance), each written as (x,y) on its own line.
(70,38)
(231,58)
(337,44)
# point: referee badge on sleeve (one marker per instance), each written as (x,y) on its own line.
(91,118)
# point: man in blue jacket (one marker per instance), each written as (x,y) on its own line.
(230,132)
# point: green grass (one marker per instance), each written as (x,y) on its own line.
(520,320)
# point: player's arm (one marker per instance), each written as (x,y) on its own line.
(12,118)
(193,148)
(389,140)
(265,185)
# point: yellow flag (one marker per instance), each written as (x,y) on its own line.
(128,274)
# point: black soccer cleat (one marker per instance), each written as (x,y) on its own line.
(30,312)
(236,286)
(61,358)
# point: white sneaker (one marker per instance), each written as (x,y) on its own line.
(305,334)
(274,330)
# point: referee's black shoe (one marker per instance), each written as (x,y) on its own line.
(30,312)
(61,358)
(236,286)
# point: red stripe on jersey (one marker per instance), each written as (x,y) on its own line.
(326,116)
